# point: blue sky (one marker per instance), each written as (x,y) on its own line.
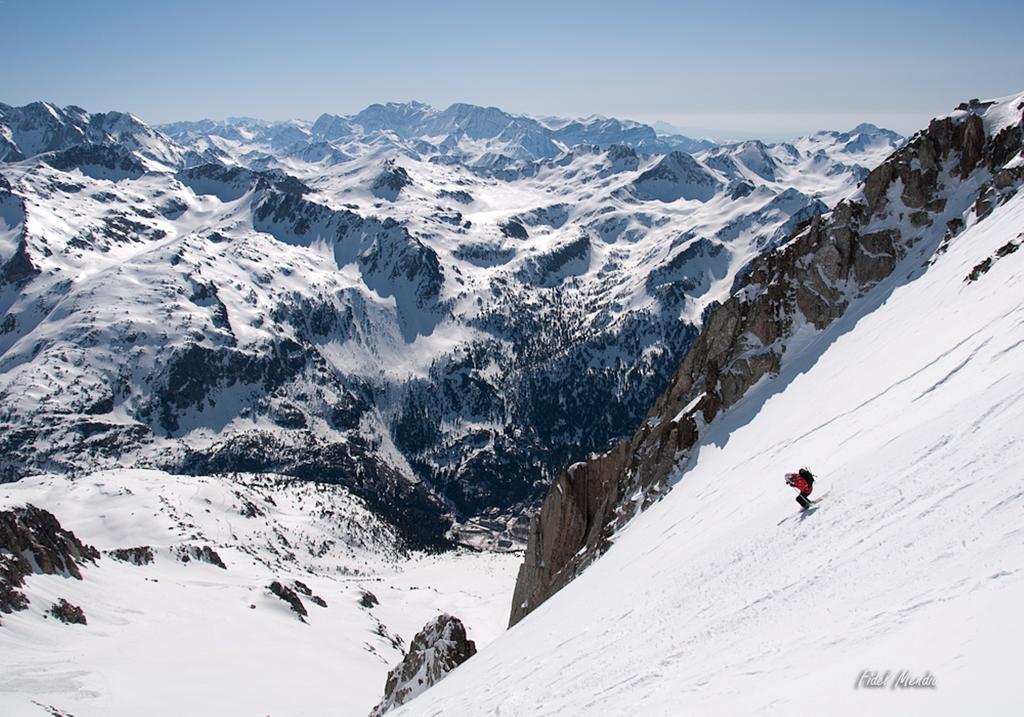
(725,69)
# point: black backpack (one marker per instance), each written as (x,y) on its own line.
(807,476)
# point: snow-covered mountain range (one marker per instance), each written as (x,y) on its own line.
(462,133)
(253,375)
(437,309)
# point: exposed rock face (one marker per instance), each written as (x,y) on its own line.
(32,540)
(142,555)
(100,161)
(437,649)
(551,267)
(308,592)
(982,267)
(68,613)
(392,180)
(19,268)
(202,553)
(291,597)
(812,279)
(514,230)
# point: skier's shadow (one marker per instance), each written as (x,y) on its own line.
(812,509)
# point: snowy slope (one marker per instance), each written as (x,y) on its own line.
(720,599)
(173,637)
(41,127)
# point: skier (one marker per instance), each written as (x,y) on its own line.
(803,481)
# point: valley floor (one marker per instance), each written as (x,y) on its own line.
(179,638)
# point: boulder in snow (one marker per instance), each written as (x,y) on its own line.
(67,613)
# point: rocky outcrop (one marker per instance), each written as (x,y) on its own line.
(97,160)
(291,597)
(811,280)
(32,540)
(301,587)
(391,181)
(230,182)
(142,555)
(553,266)
(67,613)
(985,264)
(514,230)
(202,553)
(437,649)
(19,268)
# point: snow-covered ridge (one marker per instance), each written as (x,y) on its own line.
(41,127)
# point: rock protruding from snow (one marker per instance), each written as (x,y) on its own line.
(67,613)
(940,176)
(437,649)
(202,553)
(32,540)
(391,181)
(301,587)
(291,597)
(142,555)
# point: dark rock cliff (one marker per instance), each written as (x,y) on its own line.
(32,540)
(918,198)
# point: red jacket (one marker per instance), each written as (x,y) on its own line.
(799,482)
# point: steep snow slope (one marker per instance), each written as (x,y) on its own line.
(172,637)
(721,599)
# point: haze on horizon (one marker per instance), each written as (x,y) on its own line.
(729,71)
